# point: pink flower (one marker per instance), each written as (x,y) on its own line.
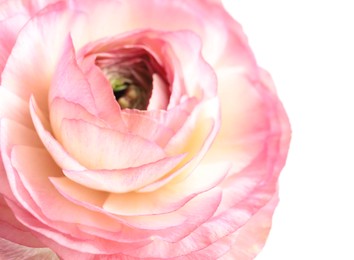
(134,130)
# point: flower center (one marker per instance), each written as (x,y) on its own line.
(130,72)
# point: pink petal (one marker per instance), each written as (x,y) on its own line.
(61,157)
(171,226)
(100,21)
(174,118)
(245,124)
(92,91)
(39,42)
(261,144)
(85,197)
(19,109)
(63,109)
(199,77)
(160,96)
(8,30)
(124,180)
(168,198)
(62,242)
(15,133)
(148,128)
(102,148)
(40,185)
(166,243)
(9,250)
(250,238)
(194,139)
(11,229)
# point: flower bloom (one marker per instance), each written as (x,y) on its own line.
(134,130)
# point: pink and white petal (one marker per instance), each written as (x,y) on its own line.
(101,20)
(194,139)
(182,15)
(8,30)
(251,237)
(199,77)
(63,109)
(82,196)
(26,8)
(160,96)
(19,109)
(155,44)
(44,193)
(174,118)
(221,225)
(245,123)
(62,241)
(11,229)
(269,144)
(172,227)
(230,48)
(101,148)
(58,230)
(39,42)
(148,128)
(124,180)
(245,243)
(167,243)
(58,153)
(15,133)
(168,198)
(231,220)
(91,201)
(10,250)
(199,130)
(91,91)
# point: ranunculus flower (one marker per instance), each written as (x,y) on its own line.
(134,129)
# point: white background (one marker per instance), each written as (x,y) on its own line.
(308,46)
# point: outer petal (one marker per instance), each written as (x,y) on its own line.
(40,42)
(250,238)
(13,16)
(11,229)
(9,250)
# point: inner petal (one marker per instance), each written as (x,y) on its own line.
(130,71)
